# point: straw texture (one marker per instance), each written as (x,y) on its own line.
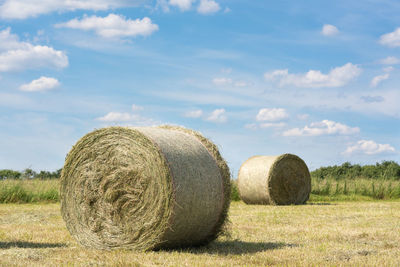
(274,180)
(142,188)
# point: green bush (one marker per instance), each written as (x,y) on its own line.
(361,187)
(234,191)
(28,191)
(9,174)
(380,171)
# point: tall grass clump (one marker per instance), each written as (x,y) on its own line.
(28,191)
(234,191)
(360,188)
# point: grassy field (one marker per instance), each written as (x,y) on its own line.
(333,234)
(29,191)
(37,190)
(355,189)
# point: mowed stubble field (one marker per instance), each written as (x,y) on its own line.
(337,233)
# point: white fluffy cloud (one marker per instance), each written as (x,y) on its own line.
(369,147)
(329,30)
(324,127)
(391,39)
(183,5)
(208,7)
(271,114)
(390,61)
(117,117)
(218,115)
(9,41)
(41,84)
(378,79)
(194,113)
(22,9)
(112,26)
(16,55)
(126,119)
(205,7)
(337,77)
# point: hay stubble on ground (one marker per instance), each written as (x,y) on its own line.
(341,233)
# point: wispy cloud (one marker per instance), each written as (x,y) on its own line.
(136,108)
(22,9)
(369,147)
(378,79)
(255,126)
(390,61)
(218,116)
(337,77)
(272,125)
(117,117)
(126,118)
(391,39)
(112,26)
(372,99)
(208,98)
(40,85)
(303,116)
(222,81)
(388,69)
(325,127)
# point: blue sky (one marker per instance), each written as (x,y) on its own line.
(315,78)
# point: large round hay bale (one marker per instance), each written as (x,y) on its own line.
(275,180)
(144,188)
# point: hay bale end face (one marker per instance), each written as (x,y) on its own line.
(274,180)
(144,188)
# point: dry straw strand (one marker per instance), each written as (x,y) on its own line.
(274,180)
(143,188)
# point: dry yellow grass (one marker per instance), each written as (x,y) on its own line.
(343,233)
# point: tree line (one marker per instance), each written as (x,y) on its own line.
(382,170)
(29,174)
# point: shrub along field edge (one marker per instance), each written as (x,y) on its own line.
(346,182)
(29,191)
(37,190)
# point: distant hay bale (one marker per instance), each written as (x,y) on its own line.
(274,180)
(144,188)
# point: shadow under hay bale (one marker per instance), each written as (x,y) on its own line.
(274,180)
(144,188)
(25,244)
(236,247)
